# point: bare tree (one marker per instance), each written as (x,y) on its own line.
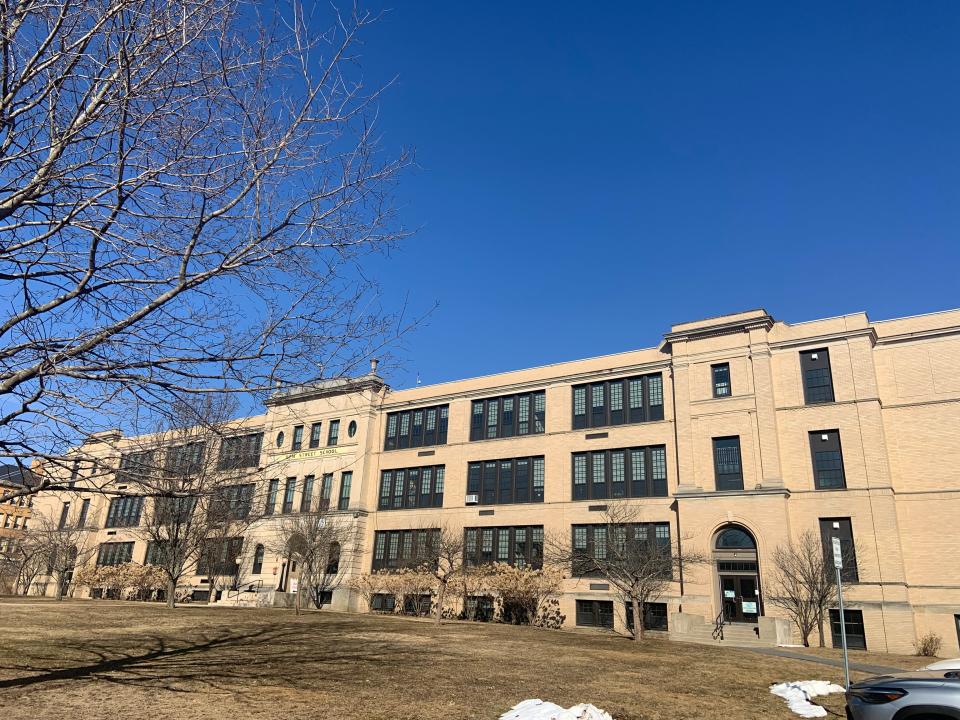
(187,191)
(627,553)
(193,501)
(443,558)
(321,543)
(62,547)
(804,584)
(20,563)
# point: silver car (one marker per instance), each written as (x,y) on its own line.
(921,695)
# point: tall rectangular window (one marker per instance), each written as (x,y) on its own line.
(726,463)
(411,488)
(333,433)
(627,472)
(418,428)
(616,402)
(288,493)
(64,513)
(817,378)
(116,553)
(185,460)
(273,486)
(827,459)
(136,467)
(297,443)
(124,512)
(240,451)
(394,549)
(596,546)
(721,379)
(856,634)
(232,502)
(326,488)
(315,435)
(518,546)
(841,528)
(514,480)
(507,416)
(306,498)
(84,511)
(346,479)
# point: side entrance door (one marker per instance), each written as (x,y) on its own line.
(740,598)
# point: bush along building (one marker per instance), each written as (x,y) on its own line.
(730,441)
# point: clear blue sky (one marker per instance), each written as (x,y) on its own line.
(592,173)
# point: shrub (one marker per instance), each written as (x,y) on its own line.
(928,645)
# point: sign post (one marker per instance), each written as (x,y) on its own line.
(838,566)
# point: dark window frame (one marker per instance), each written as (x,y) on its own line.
(594,613)
(487,486)
(531,554)
(399,435)
(855,627)
(258,554)
(289,493)
(653,455)
(720,379)
(584,565)
(389,499)
(306,494)
(606,415)
(346,481)
(397,549)
(316,430)
(296,438)
(240,451)
(850,572)
(333,432)
(653,615)
(526,416)
(326,491)
(124,511)
(824,454)
(817,376)
(727,480)
(114,553)
(270,503)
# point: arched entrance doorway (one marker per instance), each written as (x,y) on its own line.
(738,573)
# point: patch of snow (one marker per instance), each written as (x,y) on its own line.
(540,710)
(798,694)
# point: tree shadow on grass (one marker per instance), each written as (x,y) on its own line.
(227,661)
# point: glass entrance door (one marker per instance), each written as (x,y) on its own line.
(739,596)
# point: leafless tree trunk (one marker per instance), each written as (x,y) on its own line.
(187,191)
(444,560)
(804,585)
(62,547)
(321,543)
(190,498)
(627,554)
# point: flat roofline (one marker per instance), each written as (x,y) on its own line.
(918,315)
(526,369)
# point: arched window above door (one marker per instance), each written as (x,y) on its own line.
(735,538)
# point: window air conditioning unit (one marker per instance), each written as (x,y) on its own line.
(472,499)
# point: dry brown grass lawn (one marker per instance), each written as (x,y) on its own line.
(115,660)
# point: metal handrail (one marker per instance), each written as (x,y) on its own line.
(718,624)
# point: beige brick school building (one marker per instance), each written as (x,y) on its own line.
(735,433)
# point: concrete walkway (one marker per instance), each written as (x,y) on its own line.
(781,652)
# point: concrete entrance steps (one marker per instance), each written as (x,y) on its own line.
(768,632)
(733,636)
